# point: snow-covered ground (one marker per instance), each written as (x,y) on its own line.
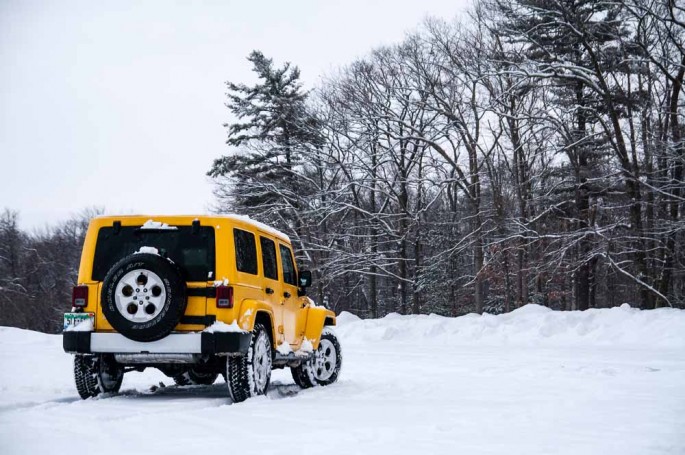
(530,382)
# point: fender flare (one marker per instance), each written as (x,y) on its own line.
(248,312)
(317,318)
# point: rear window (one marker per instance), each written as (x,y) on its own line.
(192,252)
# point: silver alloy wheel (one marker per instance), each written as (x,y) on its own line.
(261,362)
(325,360)
(140,295)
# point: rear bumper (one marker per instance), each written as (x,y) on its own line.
(175,343)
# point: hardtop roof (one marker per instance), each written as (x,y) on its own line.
(189,218)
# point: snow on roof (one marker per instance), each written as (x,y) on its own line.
(258,225)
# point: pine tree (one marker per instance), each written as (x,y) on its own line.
(270,138)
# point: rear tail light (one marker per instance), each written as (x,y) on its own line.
(79,296)
(224,297)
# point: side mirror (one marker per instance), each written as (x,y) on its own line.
(305,278)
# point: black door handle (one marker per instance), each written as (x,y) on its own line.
(269,291)
(286,294)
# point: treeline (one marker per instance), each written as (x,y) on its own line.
(531,153)
(38,271)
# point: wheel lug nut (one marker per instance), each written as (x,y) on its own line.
(145,290)
(137,290)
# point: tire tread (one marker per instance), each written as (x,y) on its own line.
(238,378)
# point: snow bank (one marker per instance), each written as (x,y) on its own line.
(346,318)
(527,326)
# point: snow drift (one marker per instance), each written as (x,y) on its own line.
(529,325)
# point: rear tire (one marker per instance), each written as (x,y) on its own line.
(249,375)
(95,374)
(322,369)
(194,377)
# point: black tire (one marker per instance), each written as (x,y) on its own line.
(320,369)
(241,372)
(301,375)
(195,377)
(96,374)
(173,307)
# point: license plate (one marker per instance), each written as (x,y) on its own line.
(73,320)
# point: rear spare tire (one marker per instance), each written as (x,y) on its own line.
(143,297)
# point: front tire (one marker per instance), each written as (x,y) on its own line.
(324,368)
(249,375)
(95,374)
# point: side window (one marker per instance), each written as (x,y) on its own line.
(288,266)
(269,258)
(245,251)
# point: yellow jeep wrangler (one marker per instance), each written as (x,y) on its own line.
(195,297)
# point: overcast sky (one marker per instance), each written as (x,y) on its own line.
(120,104)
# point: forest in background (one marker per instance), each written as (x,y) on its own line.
(38,270)
(532,152)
